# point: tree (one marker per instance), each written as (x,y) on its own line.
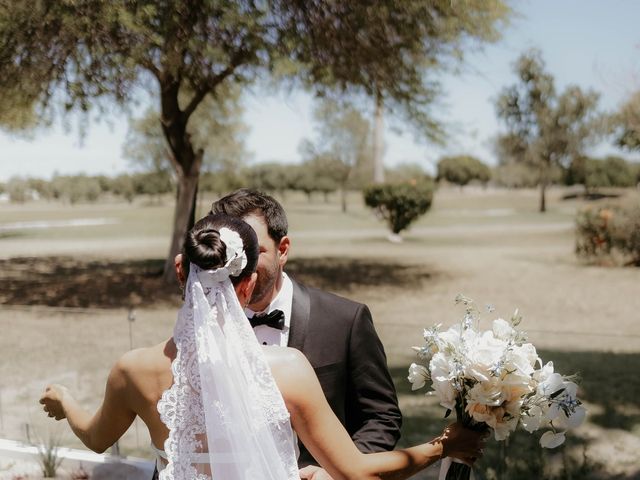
(463,169)
(217,129)
(76,55)
(341,144)
(325,174)
(626,124)
(544,129)
(389,51)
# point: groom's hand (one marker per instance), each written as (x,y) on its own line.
(313,472)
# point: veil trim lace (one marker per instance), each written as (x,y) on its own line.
(224,401)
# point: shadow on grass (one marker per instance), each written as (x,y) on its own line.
(68,282)
(608,383)
(343,275)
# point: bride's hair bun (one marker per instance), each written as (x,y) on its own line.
(205,248)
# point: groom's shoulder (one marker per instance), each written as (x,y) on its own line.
(325,298)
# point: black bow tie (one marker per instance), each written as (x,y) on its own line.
(274,319)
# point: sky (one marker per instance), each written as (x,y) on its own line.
(594,44)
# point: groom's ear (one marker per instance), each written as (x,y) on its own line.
(283,250)
(244,289)
(177,261)
(251,284)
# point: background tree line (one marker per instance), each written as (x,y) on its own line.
(318,176)
(194,60)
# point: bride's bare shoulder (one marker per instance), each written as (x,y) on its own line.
(292,371)
(141,361)
(285,359)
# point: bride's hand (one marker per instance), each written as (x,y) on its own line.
(52,400)
(463,443)
(313,472)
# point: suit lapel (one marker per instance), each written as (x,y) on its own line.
(300,309)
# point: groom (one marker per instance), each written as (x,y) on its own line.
(335,334)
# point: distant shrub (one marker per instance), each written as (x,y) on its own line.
(18,190)
(221,181)
(124,186)
(596,173)
(463,169)
(609,231)
(152,183)
(400,204)
(81,188)
(271,177)
(75,188)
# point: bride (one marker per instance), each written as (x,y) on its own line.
(220,406)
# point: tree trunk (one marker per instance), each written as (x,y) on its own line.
(343,198)
(183,219)
(378,142)
(544,180)
(187,163)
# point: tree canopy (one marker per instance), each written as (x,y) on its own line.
(342,143)
(626,123)
(544,129)
(76,55)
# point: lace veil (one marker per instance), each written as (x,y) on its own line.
(226,417)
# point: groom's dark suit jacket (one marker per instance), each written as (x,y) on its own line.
(338,338)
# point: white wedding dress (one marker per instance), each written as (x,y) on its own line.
(227,419)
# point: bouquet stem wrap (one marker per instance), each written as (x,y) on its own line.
(452,468)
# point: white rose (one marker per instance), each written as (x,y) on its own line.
(450,338)
(484,354)
(523,358)
(486,393)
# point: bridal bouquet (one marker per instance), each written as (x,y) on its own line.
(494,379)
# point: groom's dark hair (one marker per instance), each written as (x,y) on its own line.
(247,201)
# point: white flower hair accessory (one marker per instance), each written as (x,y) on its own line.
(236,258)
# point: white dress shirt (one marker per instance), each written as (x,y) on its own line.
(283,301)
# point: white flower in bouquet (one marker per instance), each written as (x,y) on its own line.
(418,376)
(495,378)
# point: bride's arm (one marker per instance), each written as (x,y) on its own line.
(330,444)
(100,430)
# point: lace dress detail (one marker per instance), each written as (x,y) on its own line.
(245,427)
